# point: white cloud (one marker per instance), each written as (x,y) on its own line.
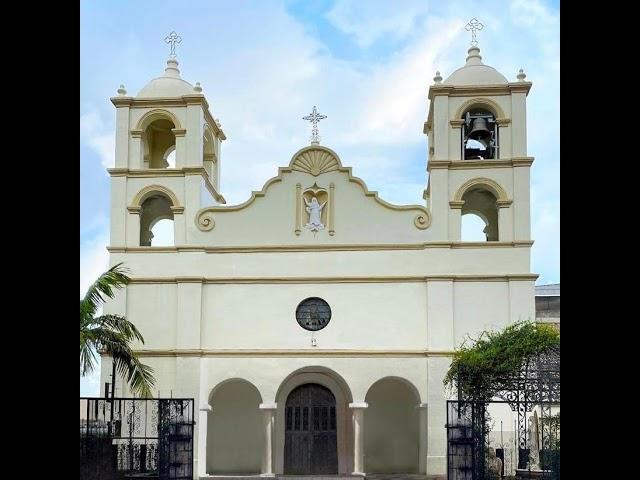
(99,136)
(261,84)
(94,259)
(378,18)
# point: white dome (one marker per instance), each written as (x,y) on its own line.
(168,85)
(474,72)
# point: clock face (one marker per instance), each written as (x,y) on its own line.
(313,314)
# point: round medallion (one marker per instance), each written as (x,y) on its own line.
(313,314)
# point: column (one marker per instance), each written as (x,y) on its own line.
(455,220)
(135,150)
(358,437)
(269,412)
(505,221)
(422,459)
(201,461)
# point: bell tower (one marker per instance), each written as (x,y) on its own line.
(477,162)
(167,158)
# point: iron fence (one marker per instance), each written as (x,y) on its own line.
(126,438)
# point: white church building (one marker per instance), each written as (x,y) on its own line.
(313,324)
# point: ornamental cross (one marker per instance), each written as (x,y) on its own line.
(172,39)
(314,117)
(474,26)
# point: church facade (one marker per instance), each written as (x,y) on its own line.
(313,324)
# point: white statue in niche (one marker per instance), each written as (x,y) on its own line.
(314,209)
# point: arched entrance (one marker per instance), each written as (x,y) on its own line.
(235,433)
(310,445)
(391,428)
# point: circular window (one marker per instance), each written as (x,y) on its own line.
(313,314)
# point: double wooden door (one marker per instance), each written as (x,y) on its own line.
(310,446)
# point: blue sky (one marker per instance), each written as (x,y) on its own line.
(366,64)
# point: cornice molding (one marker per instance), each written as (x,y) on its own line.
(319,248)
(302,352)
(168,172)
(527,277)
(473,164)
(478,90)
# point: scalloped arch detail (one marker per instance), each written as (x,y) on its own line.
(315,161)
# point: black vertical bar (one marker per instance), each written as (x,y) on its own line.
(88,401)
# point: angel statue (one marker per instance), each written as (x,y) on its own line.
(314,209)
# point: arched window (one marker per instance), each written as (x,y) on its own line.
(156,221)
(158,142)
(479,215)
(479,135)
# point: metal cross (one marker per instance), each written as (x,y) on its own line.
(314,117)
(474,26)
(172,39)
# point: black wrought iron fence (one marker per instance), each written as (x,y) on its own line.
(124,438)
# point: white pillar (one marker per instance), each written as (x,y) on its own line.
(422,428)
(269,412)
(358,437)
(201,460)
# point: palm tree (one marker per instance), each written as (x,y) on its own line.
(111,334)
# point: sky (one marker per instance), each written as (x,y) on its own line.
(366,64)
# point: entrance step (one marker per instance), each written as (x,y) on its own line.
(371,476)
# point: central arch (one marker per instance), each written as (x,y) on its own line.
(334,384)
(310,443)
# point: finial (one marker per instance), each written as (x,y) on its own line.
(172,68)
(314,117)
(172,39)
(521,76)
(122,91)
(473,26)
(197,88)
(437,78)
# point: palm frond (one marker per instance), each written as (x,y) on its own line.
(88,358)
(103,288)
(139,376)
(120,325)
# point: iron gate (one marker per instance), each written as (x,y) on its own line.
(136,438)
(533,394)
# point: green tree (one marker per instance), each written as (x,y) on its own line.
(111,334)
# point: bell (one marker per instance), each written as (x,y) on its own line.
(479,129)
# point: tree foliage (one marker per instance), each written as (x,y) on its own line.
(478,370)
(111,334)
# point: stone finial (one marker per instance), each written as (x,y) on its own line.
(197,88)
(521,76)
(122,91)
(437,78)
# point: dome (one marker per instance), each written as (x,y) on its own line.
(168,85)
(474,72)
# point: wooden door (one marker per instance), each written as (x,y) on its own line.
(310,445)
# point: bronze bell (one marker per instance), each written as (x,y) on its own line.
(479,129)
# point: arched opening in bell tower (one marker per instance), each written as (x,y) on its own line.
(156,221)
(159,143)
(479,216)
(479,135)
